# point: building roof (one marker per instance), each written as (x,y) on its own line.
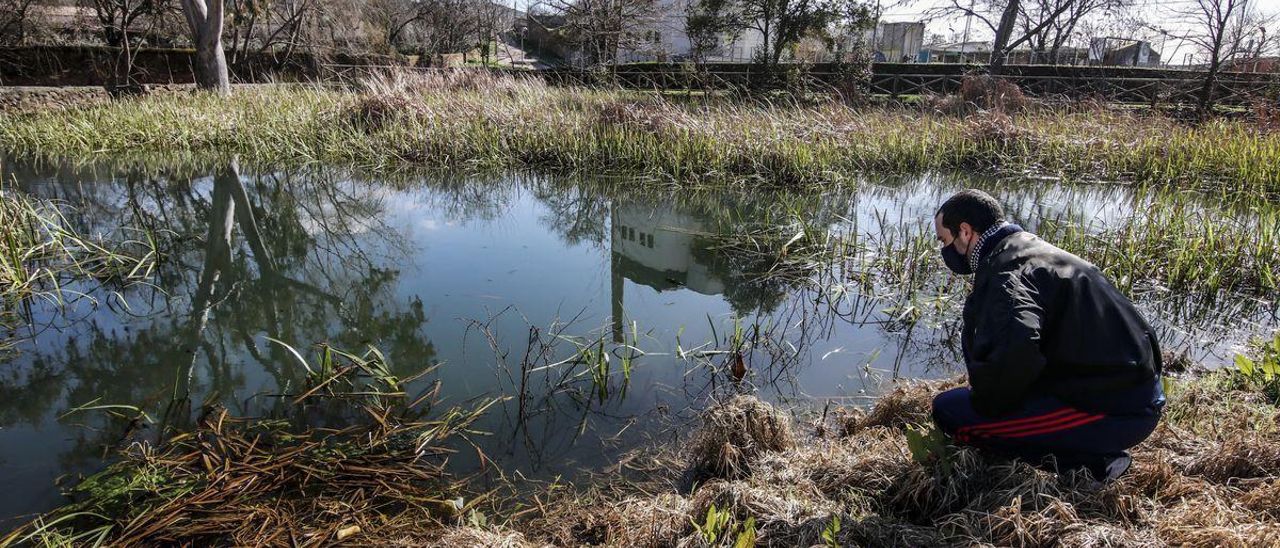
(961,47)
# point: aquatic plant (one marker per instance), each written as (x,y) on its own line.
(45,257)
(274,479)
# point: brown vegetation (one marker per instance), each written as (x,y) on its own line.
(981,92)
(736,433)
(1190,485)
(1209,476)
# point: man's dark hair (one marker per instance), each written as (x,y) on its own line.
(971,206)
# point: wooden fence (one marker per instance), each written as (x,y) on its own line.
(1114,84)
(1133,85)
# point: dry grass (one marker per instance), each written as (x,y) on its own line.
(276,480)
(981,92)
(1191,485)
(735,433)
(1186,489)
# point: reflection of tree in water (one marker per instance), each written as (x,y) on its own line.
(281,255)
(577,213)
(746,287)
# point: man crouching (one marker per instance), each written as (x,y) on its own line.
(1063,370)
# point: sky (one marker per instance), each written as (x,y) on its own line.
(1160,13)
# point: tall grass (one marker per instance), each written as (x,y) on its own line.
(1183,249)
(481,120)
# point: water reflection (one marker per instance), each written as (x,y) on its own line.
(489,275)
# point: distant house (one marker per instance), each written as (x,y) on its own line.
(897,42)
(956,52)
(1119,52)
(667,40)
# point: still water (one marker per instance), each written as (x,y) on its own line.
(465,272)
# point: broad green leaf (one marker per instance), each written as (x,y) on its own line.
(1245,365)
(747,538)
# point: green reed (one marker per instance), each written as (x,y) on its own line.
(45,257)
(483,121)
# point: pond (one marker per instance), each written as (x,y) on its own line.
(491,277)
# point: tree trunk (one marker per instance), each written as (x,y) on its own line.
(1007,21)
(1207,89)
(205,21)
(217,259)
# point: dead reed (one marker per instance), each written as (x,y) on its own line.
(862,487)
(277,480)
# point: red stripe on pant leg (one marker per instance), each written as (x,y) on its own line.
(1023,420)
(1059,428)
(1032,426)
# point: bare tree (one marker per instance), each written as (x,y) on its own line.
(1122,22)
(1008,33)
(1058,31)
(262,26)
(1219,28)
(288,20)
(13,20)
(600,29)
(204,18)
(430,26)
(124,24)
(396,17)
(490,20)
(244,19)
(449,26)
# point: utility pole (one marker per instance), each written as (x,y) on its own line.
(968,17)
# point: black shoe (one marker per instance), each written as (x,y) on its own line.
(1112,467)
(1102,468)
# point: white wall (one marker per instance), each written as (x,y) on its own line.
(673,43)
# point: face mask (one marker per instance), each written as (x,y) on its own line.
(955,261)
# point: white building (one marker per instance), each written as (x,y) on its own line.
(669,42)
(897,42)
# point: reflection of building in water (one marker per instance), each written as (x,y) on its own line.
(655,247)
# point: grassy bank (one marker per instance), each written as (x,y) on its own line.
(482,121)
(849,477)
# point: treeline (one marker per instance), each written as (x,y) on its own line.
(280,27)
